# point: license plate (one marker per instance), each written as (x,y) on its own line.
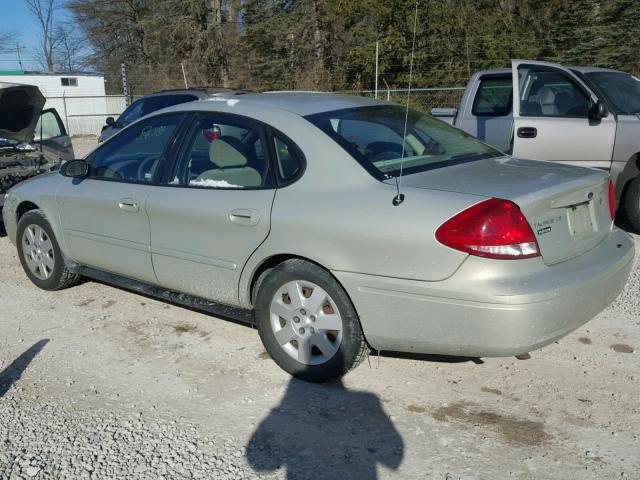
(580,222)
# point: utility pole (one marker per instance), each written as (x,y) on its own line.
(377,62)
(19,58)
(125,85)
(184,76)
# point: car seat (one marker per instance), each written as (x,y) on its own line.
(547,100)
(229,156)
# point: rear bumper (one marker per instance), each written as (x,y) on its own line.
(491,308)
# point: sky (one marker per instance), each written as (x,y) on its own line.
(16,18)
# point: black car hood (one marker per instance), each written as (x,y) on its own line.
(20,108)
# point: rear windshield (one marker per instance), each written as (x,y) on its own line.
(374,137)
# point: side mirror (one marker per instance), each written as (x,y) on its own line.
(75,169)
(598,110)
(110,121)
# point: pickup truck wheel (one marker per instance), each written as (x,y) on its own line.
(632,203)
(307,322)
(40,253)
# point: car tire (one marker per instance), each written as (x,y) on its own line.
(631,203)
(40,254)
(307,322)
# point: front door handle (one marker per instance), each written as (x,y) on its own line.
(128,205)
(247,217)
(527,132)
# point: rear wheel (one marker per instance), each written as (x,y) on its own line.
(632,203)
(307,322)
(40,253)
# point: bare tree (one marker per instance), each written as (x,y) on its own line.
(44,11)
(5,39)
(70,50)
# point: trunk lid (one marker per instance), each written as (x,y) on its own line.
(20,108)
(567,207)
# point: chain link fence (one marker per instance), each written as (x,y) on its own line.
(87,115)
(424,99)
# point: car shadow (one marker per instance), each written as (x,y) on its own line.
(326,431)
(427,357)
(12,373)
(3,231)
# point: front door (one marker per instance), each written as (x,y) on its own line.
(104,218)
(215,209)
(553,117)
(56,144)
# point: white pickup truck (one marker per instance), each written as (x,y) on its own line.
(584,116)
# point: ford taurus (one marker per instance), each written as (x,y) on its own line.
(337,224)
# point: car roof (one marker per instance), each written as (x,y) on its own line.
(297,102)
(200,92)
(581,69)
(593,69)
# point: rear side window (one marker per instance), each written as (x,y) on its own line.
(288,160)
(223,153)
(494,97)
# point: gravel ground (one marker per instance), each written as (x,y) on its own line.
(97,382)
(83,144)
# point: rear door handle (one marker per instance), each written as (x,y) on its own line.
(527,132)
(128,205)
(247,217)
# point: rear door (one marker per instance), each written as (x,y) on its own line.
(552,117)
(214,209)
(56,143)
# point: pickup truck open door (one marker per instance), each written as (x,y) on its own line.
(557,117)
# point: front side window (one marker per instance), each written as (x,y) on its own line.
(50,126)
(550,93)
(374,137)
(494,97)
(222,153)
(134,154)
(622,90)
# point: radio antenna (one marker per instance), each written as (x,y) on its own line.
(399,198)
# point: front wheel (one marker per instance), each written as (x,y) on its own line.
(40,254)
(307,322)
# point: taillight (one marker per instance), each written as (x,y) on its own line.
(612,200)
(494,228)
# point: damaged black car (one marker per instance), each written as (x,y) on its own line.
(32,140)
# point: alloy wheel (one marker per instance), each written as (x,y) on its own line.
(38,251)
(306,322)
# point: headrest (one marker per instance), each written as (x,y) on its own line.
(226,152)
(546,96)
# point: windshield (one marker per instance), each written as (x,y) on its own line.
(622,90)
(373,136)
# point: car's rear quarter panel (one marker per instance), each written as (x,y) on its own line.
(340,217)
